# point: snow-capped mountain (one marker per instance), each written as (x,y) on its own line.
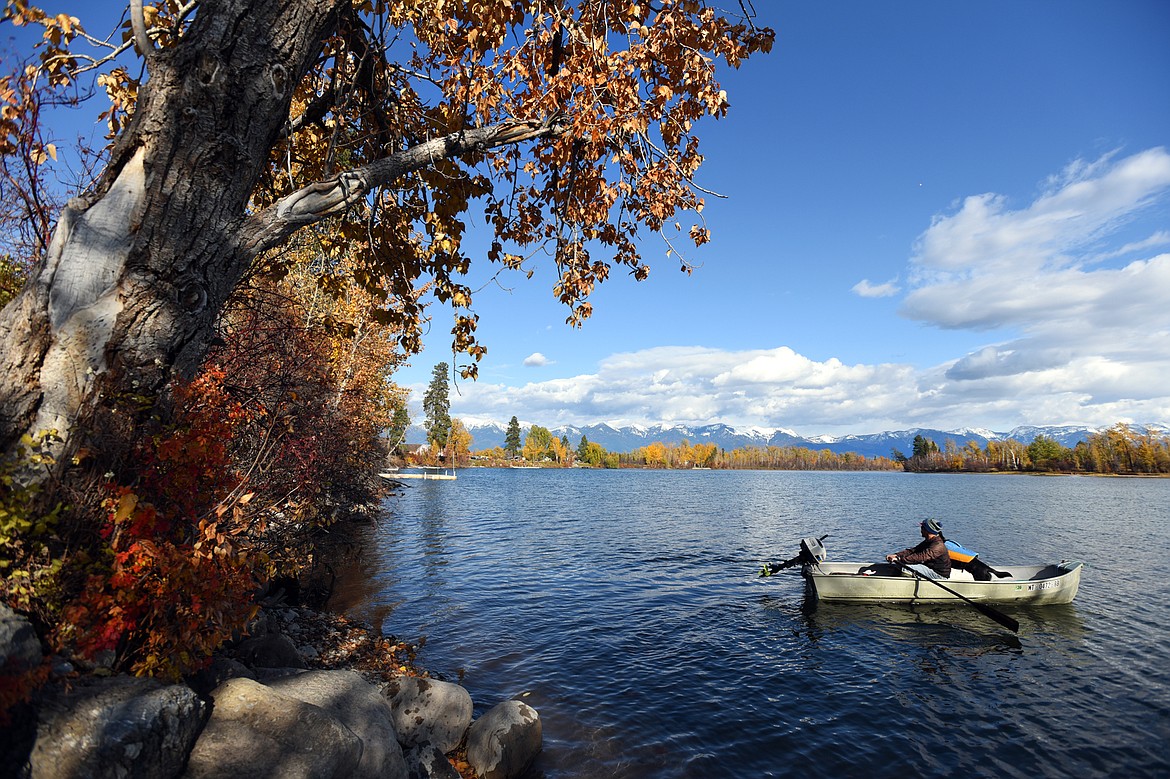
(625,439)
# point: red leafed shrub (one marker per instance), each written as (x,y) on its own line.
(173,580)
(263,447)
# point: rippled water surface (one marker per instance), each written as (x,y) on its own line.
(625,607)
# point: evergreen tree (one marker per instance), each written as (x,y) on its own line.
(437,407)
(396,433)
(583,448)
(924,447)
(512,438)
(1046,452)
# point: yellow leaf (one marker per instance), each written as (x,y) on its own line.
(126,505)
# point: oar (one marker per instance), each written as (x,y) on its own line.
(984,609)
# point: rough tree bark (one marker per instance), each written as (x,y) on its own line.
(140,267)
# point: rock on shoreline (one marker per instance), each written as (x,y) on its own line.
(307,695)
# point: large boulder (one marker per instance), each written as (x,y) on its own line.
(271,650)
(503,743)
(20,653)
(427,711)
(255,731)
(20,649)
(358,705)
(218,671)
(426,761)
(116,727)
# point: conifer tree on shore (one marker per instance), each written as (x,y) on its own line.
(437,407)
(512,442)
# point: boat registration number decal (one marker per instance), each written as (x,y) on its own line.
(1044,585)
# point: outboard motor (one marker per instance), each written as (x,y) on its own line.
(812,552)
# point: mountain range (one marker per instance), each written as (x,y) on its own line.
(626,439)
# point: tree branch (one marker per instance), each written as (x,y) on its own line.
(138,24)
(310,204)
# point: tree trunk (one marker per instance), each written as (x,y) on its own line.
(139,269)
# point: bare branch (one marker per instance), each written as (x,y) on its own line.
(138,23)
(318,200)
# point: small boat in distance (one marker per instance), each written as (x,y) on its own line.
(431,472)
(860,582)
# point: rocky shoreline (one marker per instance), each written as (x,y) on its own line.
(305,694)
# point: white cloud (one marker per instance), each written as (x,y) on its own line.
(536,360)
(1039,274)
(997,387)
(700,385)
(1085,204)
(866,289)
(1160,238)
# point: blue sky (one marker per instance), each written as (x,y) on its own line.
(937,214)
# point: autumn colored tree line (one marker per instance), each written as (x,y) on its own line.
(541,446)
(1118,450)
(784,458)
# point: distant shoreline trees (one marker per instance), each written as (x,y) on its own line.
(512,439)
(1118,450)
(541,447)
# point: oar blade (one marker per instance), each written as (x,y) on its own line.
(998,616)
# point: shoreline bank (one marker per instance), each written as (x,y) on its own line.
(306,689)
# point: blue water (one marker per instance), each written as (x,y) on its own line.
(624,606)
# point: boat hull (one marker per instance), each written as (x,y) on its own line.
(865,582)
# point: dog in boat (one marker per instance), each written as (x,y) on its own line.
(979,570)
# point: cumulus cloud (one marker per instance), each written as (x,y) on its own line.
(999,386)
(1041,273)
(536,360)
(1085,204)
(866,289)
(694,385)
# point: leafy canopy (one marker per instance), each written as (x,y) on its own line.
(614,87)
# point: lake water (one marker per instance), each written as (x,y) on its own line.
(625,607)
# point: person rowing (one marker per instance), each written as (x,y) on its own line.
(930,558)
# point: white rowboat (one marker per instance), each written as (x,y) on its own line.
(861,582)
(864,582)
